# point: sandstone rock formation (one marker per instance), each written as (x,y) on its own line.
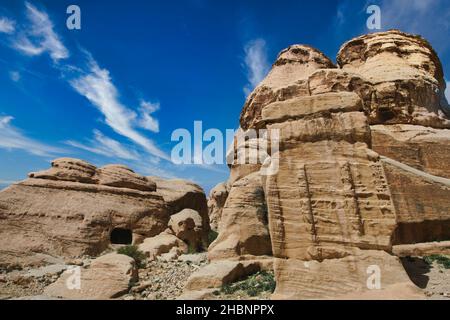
(187,226)
(163,243)
(362,167)
(107,277)
(75,209)
(182,194)
(216,202)
(243,225)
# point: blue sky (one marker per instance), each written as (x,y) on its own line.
(114,91)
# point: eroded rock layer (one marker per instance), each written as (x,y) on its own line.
(362,166)
(75,209)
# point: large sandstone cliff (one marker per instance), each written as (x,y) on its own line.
(363,166)
(75,209)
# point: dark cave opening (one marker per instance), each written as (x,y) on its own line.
(121,236)
(424,231)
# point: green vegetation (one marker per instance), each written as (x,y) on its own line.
(133,252)
(254,285)
(192,249)
(212,235)
(440,259)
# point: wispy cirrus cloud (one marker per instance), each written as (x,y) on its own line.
(6,182)
(96,85)
(106,146)
(13,138)
(146,120)
(7,25)
(256,63)
(39,36)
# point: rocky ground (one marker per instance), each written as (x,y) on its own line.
(165,280)
(434,278)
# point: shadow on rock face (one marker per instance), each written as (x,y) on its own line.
(417,270)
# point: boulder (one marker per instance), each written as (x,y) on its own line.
(187,225)
(181,194)
(107,277)
(215,275)
(161,244)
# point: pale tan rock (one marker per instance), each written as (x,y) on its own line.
(424,148)
(68,169)
(243,226)
(182,194)
(406,74)
(303,106)
(107,277)
(421,249)
(287,79)
(216,202)
(247,155)
(205,294)
(362,165)
(173,254)
(123,177)
(187,225)
(421,202)
(344,278)
(70,219)
(215,275)
(162,243)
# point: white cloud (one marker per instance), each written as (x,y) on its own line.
(106,146)
(98,88)
(14,76)
(146,121)
(7,25)
(256,63)
(40,36)
(6,182)
(422,17)
(13,138)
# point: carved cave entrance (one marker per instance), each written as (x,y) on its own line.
(121,236)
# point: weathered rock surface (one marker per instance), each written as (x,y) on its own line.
(164,243)
(422,249)
(217,274)
(243,225)
(72,219)
(107,277)
(287,79)
(216,202)
(73,209)
(424,148)
(362,167)
(182,194)
(187,226)
(343,278)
